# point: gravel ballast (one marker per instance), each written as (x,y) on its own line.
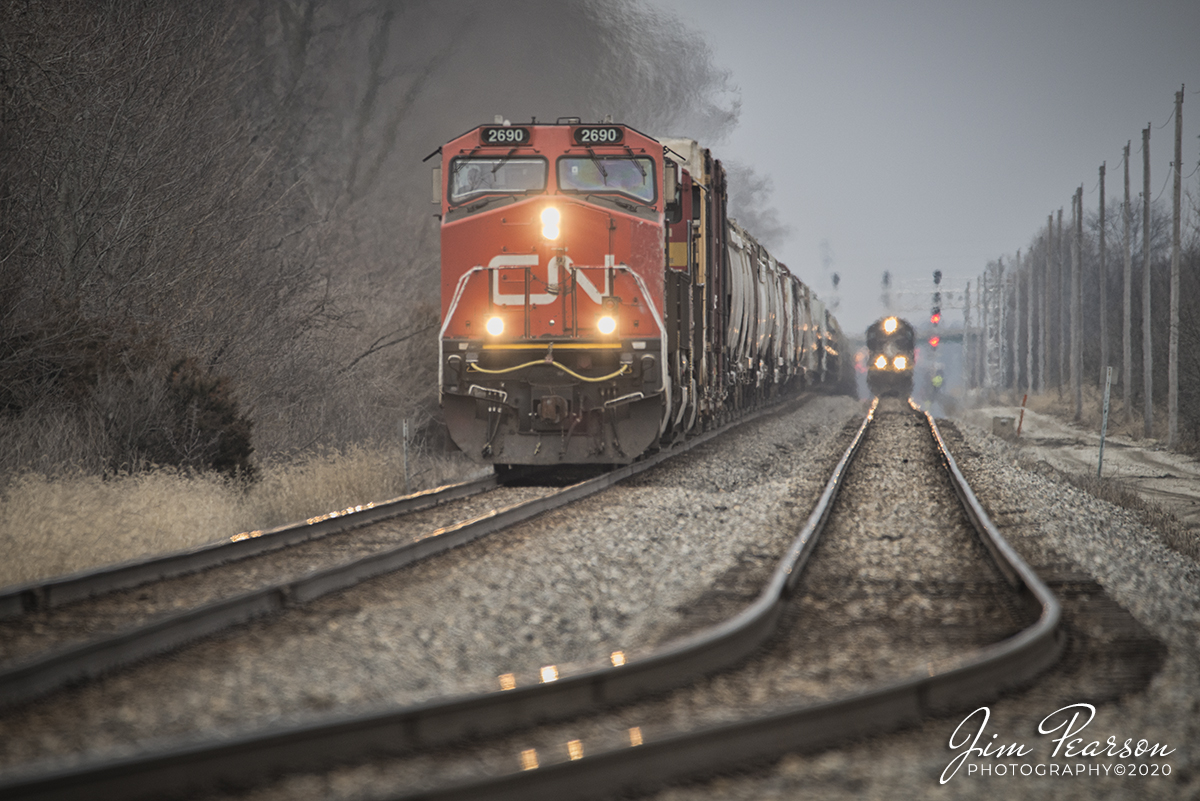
(104,615)
(1044,519)
(618,571)
(897,580)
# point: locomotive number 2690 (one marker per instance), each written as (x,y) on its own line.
(599,135)
(505,136)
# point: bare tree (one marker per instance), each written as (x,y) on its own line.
(240,184)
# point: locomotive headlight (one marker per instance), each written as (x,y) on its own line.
(495,326)
(900,363)
(606,325)
(881,362)
(889,325)
(550,220)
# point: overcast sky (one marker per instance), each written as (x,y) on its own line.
(939,134)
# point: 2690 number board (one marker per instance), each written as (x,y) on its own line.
(599,135)
(507,135)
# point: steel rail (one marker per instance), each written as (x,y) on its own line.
(49,593)
(44,673)
(49,671)
(934,689)
(246,758)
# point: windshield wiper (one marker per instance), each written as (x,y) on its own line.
(635,161)
(503,160)
(599,166)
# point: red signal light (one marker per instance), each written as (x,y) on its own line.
(934,340)
(935,318)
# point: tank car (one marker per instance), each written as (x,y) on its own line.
(891,344)
(599,303)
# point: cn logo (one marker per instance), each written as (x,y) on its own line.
(548,288)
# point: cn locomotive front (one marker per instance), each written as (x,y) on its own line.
(597,302)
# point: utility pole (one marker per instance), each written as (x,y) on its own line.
(1030,290)
(1045,316)
(1077,305)
(1127,308)
(1173,346)
(1147,354)
(967,353)
(1016,334)
(1103,285)
(1002,319)
(1060,290)
(985,335)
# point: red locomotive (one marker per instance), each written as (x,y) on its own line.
(597,302)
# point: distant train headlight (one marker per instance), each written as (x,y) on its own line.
(606,325)
(550,220)
(495,326)
(881,362)
(900,363)
(889,325)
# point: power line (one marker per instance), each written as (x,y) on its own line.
(1170,175)
(1168,122)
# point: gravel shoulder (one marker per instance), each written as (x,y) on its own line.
(1169,479)
(1160,588)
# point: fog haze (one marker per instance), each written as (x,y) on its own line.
(938,135)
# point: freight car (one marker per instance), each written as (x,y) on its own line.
(891,355)
(599,303)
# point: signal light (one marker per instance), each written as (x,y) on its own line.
(936,317)
(934,340)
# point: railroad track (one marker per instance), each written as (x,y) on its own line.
(78,627)
(84,625)
(61,631)
(55,592)
(644,758)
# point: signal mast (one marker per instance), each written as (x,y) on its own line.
(935,317)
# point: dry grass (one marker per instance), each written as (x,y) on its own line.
(1121,421)
(53,526)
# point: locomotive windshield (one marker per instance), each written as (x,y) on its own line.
(470,177)
(608,175)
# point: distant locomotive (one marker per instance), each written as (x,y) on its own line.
(891,344)
(597,301)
